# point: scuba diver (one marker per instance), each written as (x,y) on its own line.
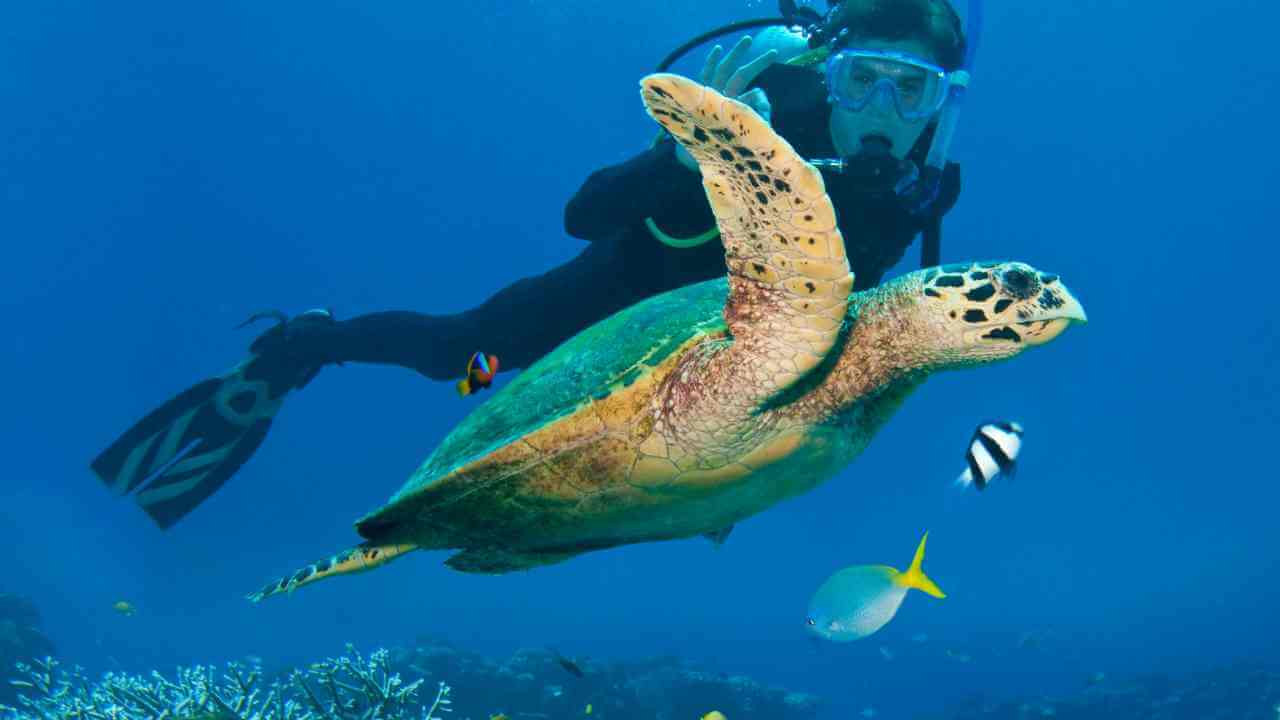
(869,92)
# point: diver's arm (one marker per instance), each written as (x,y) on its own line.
(652,184)
(656,185)
(435,345)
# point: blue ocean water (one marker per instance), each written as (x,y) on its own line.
(168,169)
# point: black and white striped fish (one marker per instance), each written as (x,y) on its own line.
(993,452)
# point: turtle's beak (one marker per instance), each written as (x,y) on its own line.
(1048,323)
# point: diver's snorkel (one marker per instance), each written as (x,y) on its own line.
(936,160)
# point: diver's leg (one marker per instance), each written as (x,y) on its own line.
(519,324)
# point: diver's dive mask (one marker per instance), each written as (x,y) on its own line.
(916,88)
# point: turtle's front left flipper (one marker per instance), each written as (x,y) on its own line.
(789,278)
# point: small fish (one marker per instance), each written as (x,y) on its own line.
(588,708)
(714,715)
(499,716)
(958,656)
(569,666)
(1029,641)
(124,607)
(857,601)
(920,638)
(884,653)
(993,452)
(479,375)
(868,712)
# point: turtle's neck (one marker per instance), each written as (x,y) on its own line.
(883,353)
(887,341)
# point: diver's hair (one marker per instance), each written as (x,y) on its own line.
(933,23)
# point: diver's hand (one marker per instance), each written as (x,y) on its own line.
(288,355)
(729,77)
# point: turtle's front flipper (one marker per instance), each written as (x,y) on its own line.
(357,559)
(789,278)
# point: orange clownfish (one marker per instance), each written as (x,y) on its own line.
(480,371)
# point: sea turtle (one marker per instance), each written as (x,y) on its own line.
(692,410)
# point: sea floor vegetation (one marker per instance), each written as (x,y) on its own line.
(350,687)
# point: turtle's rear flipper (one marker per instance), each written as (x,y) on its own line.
(357,559)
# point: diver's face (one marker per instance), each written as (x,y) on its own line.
(879,119)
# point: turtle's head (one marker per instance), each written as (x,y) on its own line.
(974,313)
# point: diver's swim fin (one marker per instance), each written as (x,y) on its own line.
(183,451)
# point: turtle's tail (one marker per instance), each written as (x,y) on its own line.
(365,556)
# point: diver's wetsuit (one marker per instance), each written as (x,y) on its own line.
(625,263)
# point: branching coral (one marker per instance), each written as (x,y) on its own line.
(351,687)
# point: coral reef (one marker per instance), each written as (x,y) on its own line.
(1242,692)
(20,639)
(529,685)
(533,684)
(346,688)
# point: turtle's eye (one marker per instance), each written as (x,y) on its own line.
(1019,283)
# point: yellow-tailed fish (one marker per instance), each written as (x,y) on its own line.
(123,607)
(859,600)
(714,715)
(588,708)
